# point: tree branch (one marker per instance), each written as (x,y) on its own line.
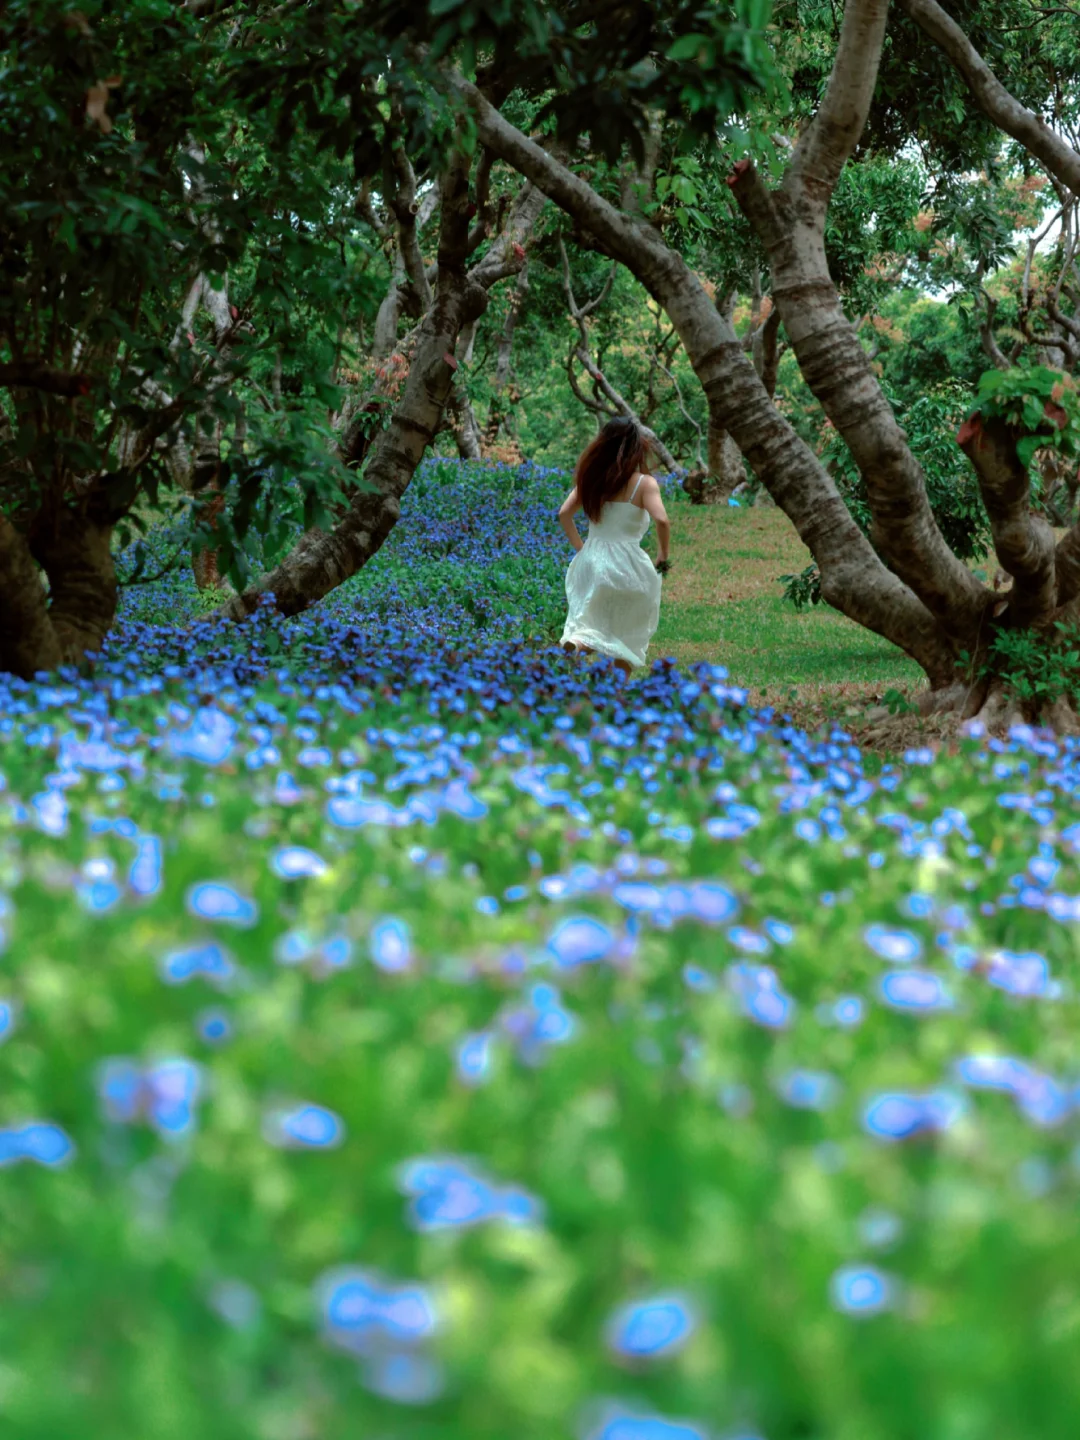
(828,143)
(31,376)
(1024,542)
(991,96)
(853,578)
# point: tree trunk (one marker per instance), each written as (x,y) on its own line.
(209,496)
(41,628)
(322,561)
(854,579)
(28,642)
(499,414)
(726,469)
(464,424)
(725,472)
(73,547)
(1023,541)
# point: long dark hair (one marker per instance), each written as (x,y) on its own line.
(605,466)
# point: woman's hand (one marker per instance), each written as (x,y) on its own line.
(663,566)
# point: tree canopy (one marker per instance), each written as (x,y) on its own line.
(258,259)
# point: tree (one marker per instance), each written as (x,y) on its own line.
(160,246)
(827,138)
(910,587)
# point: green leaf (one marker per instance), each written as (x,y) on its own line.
(686,47)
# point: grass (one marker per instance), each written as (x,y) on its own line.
(723,604)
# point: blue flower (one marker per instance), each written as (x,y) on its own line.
(38,1140)
(580,940)
(897,946)
(404,1377)
(144,876)
(915,991)
(209,738)
(171,1087)
(361,1312)
(210,962)
(213,900)
(651,1329)
(862,1291)
(474,1056)
(809,1089)
(1019,973)
(304,1127)
(214,1026)
(618,1424)
(447,1194)
(757,988)
(390,945)
(880,1229)
(294,862)
(893,1117)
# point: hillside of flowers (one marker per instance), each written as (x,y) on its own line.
(406,1032)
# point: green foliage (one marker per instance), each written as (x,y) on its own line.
(1037,668)
(1041,405)
(927,346)
(897,703)
(130,165)
(803,590)
(930,423)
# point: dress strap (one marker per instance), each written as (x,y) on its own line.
(635,489)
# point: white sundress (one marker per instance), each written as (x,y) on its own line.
(612,588)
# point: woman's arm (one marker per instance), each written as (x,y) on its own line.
(653,502)
(570,506)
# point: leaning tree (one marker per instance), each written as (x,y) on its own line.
(165,244)
(571,98)
(904,582)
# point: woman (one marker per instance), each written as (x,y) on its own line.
(611,586)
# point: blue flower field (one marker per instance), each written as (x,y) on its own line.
(408,1033)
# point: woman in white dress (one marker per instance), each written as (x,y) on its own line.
(612,588)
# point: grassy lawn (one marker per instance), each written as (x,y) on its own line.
(722,603)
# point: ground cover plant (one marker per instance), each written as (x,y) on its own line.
(413,1037)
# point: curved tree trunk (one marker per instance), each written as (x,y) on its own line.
(41,628)
(323,560)
(500,415)
(790,222)
(854,579)
(607,402)
(28,641)
(464,424)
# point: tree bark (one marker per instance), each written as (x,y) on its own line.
(323,560)
(1023,541)
(766,351)
(499,416)
(28,642)
(854,579)
(73,547)
(726,469)
(791,225)
(464,424)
